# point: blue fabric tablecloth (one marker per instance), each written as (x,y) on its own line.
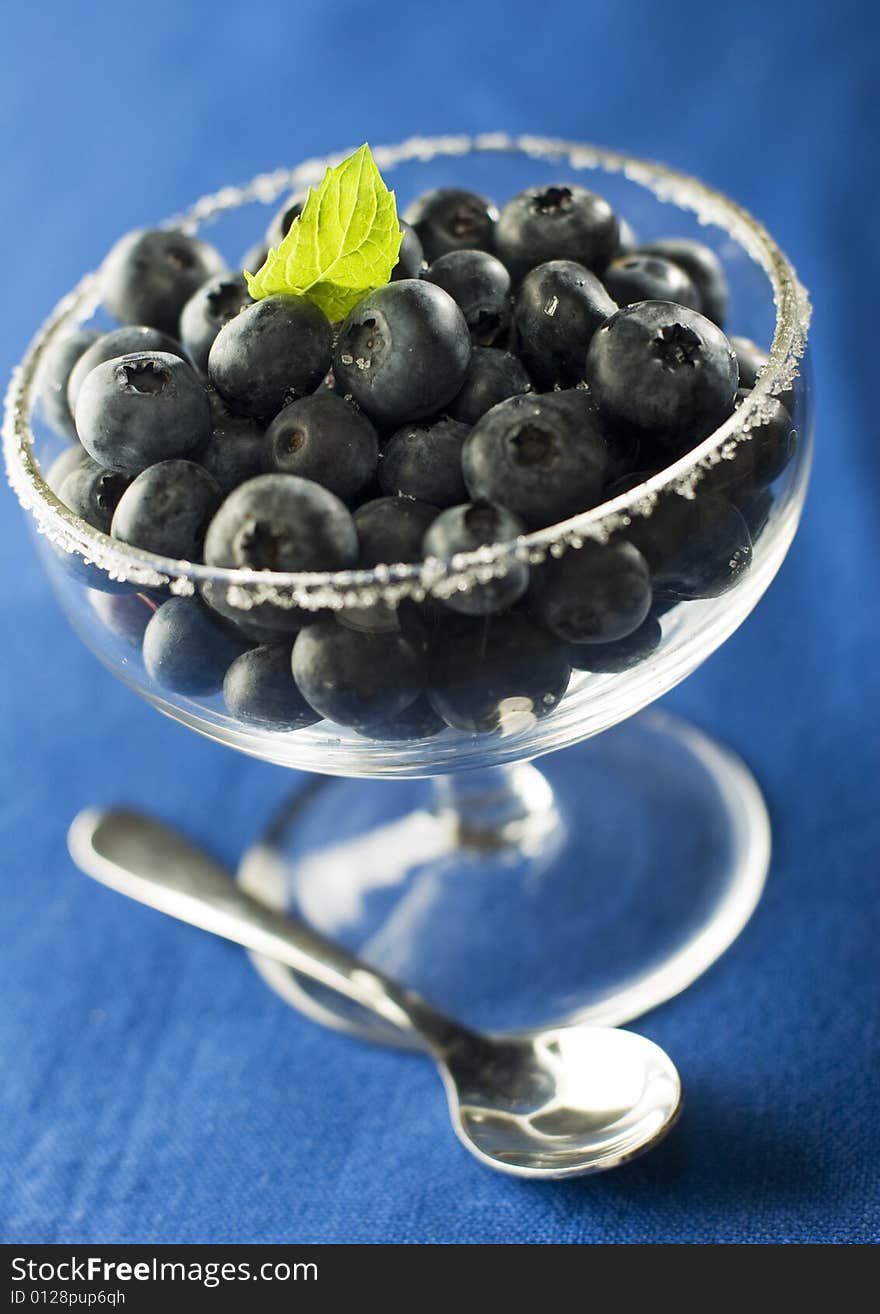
(152,1088)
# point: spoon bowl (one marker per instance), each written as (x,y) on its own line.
(558,1103)
(570,1101)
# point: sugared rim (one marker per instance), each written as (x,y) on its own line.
(393,583)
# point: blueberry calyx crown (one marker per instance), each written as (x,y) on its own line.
(294,439)
(535,447)
(551,201)
(676,345)
(366,339)
(146,377)
(259,545)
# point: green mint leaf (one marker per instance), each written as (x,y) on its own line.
(344,244)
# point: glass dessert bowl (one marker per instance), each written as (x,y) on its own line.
(511,891)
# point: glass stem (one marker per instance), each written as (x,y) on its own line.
(499,807)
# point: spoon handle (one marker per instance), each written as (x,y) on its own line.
(145,860)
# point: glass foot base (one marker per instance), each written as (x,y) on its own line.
(591,887)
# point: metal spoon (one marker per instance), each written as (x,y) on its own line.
(559,1103)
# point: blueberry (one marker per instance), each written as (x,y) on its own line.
(277,522)
(259,688)
(418,721)
(465,528)
(391,529)
(357,679)
(390,532)
(672,524)
(495,673)
(272,353)
(492,377)
(622,654)
(773,442)
(449,219)
(84,495)
(327,440)
(663,370)
(403,352)
(141,408)
(644,277)
(480,285)
(187,649)
(279,226)
(110,346)
(424,461)
(710,558)
(208,309)
(58,362)
(702,267)
(558,308)
(759,459)
(150,274)
(92,493)
(595,594)
(542,457)
(561,222)
(167,508)
(61,467)
(236,451)
(283,523)
(672,520)
(411,260)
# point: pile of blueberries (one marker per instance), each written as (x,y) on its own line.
(520,367)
